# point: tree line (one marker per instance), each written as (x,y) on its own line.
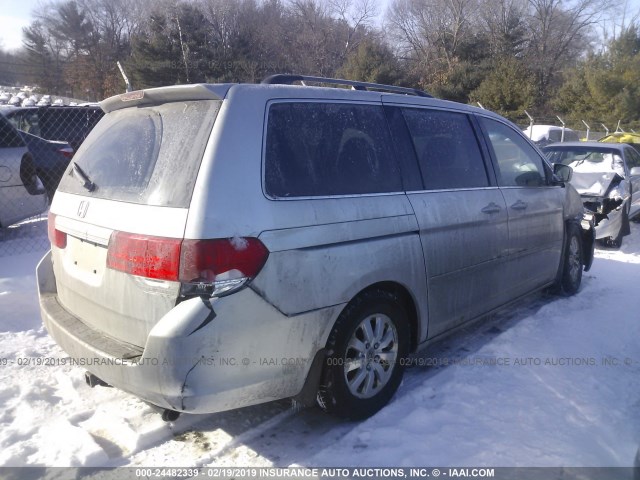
(546,56)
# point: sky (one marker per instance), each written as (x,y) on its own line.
(16,14)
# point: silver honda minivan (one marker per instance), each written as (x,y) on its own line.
(219,246)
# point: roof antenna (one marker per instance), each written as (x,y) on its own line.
(126,80)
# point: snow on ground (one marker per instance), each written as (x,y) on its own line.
(547,382)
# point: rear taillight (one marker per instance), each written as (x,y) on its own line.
(151,257)
(66,152)
(204,267)
(56,237)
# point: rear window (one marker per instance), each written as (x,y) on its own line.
(147,155)
(555,136)
(322,149)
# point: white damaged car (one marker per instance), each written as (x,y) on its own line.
(607,177)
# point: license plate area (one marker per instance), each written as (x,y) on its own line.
(85,260)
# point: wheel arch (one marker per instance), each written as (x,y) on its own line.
(308,394)
(584,238)
(408,302)
(588,238)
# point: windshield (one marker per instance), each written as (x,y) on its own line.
(587,159)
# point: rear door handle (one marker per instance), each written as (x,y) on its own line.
(520,205)
(491,208)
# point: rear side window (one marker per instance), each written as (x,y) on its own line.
(447,149)
(71,124)
(633,158)
(555,136)
(571,136)
(148,155)
(25,120)
(319,149)
(9,137)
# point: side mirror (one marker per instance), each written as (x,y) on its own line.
(563,172)
(635,171)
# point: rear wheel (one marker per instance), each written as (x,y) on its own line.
(367,347)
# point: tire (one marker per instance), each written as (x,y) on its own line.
(367,348)
(29,176)
(573,260)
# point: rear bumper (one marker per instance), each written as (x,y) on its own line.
(240,352)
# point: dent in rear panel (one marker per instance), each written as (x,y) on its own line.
(120,305)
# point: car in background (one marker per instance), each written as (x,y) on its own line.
(543,135)
(4,98)
(65,124)
(50,159)
(632,139)
(15,101)
(607,177)
(22,194)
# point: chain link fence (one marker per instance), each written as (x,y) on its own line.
(36,146)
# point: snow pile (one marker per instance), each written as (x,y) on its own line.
(566,392)
(548,382)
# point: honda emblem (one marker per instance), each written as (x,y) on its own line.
(82,208)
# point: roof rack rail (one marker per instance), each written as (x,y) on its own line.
(288,79)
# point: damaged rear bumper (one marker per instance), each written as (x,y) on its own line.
(190,362)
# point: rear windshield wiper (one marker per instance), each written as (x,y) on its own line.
(84,178)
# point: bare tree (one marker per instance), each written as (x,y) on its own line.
(430,34)
(504,23)
(225,19)
(357,16)
(558,32)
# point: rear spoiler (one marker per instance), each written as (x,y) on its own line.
(155,96)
